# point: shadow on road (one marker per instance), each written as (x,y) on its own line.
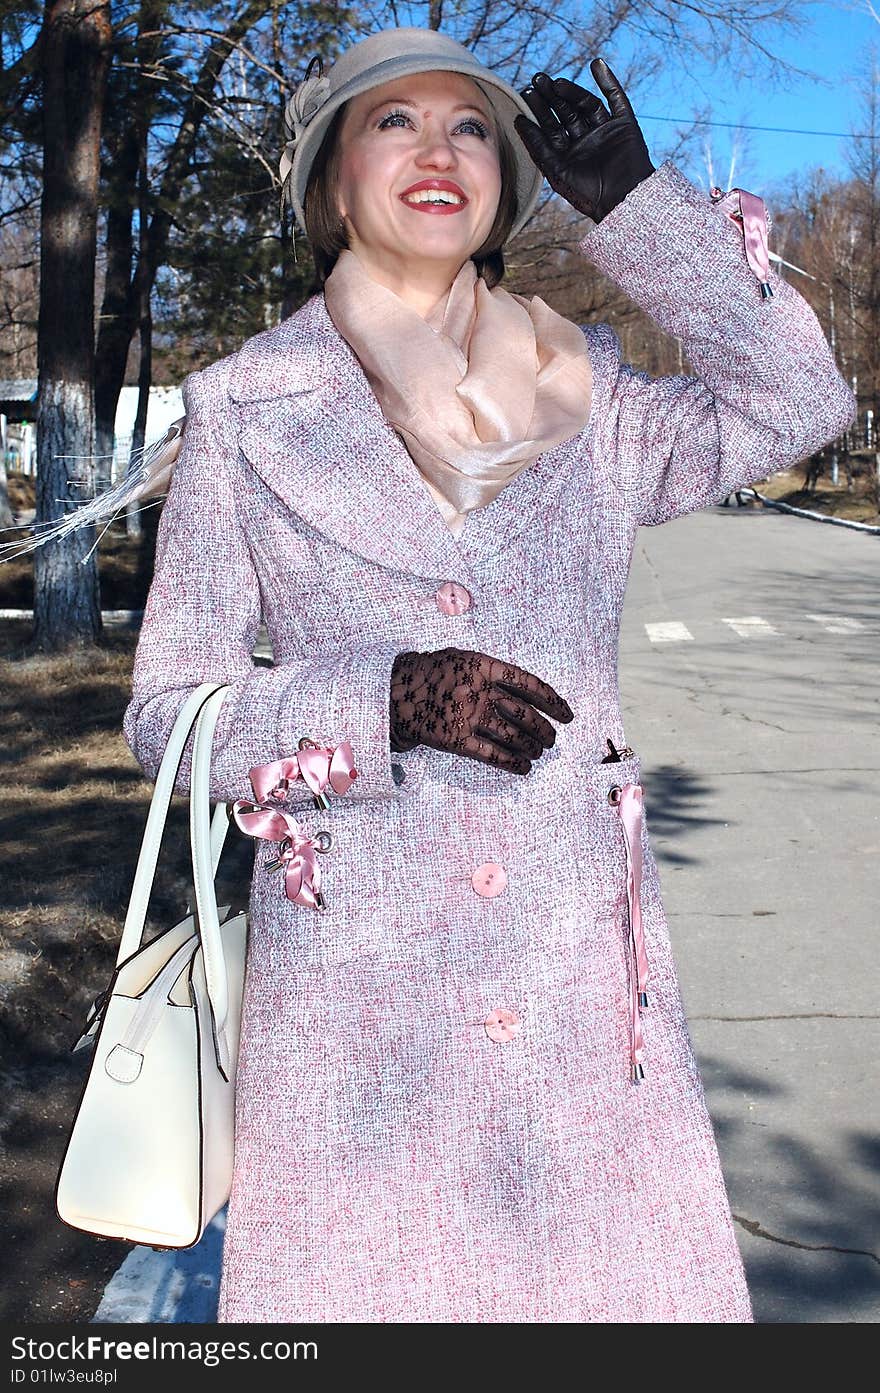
(674,799)
(816,1260)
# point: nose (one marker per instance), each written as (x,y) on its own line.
(435,148)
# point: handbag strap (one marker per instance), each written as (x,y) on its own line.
(203,838)
(145,871)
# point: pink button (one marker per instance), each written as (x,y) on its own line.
(489,879)
(452,598)
(501,1025)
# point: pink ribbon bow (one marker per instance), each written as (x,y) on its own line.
(315,765)
(297,853)
(630,809)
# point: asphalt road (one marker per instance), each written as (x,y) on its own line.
(760,751)
(759,743)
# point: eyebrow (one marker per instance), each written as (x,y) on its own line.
(404,101)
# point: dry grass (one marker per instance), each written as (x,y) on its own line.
(836,500)
(71,803)
(71,796)
(124,568)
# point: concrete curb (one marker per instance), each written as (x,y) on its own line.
(173,1287)
(109,616)
(131,618)
(806,513)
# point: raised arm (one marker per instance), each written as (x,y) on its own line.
(767,391)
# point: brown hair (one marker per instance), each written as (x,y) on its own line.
(326,231)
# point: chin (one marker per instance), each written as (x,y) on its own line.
(446,246)
(438,250)
(440,231)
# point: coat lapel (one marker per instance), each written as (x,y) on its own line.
(313,430)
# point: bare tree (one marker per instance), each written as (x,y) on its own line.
(19,295)
(75,52)
(861,295)
(131,280)
(830,230)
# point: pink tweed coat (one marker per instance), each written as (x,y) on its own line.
(394,1162)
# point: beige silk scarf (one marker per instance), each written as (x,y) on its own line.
(477,390)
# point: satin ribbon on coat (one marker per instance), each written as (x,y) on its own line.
(316,766)
(630,809)
(297,853)
(749,212)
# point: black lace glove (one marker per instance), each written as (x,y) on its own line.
(592,157)
(471,704)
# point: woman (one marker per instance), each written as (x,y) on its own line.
(454,1100)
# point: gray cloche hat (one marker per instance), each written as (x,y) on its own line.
(372,62)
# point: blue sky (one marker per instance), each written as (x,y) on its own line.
(836,42)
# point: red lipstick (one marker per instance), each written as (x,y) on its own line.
(441,185)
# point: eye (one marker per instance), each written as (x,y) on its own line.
(391,116)
(478,126)
(397,114)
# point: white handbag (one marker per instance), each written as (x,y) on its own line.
(149,1157)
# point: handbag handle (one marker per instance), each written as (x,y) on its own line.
(203,839)
(145,871)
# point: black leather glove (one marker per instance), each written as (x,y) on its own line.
(592,157)
(471,704)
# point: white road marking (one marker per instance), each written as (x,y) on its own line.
(670,632)
(751,626)
(837,623)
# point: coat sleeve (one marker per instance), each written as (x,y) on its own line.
(767,393)
(200,624)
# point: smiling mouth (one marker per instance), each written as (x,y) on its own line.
(434,201)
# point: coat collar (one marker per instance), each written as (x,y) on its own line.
(314,432)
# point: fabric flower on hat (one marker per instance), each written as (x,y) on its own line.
(303,106)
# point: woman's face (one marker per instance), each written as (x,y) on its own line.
(436,131)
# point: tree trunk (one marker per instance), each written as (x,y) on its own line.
(75,56)
(118,312)
(145,371)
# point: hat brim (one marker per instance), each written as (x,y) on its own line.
(506,103)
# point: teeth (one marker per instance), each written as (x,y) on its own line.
(432,196)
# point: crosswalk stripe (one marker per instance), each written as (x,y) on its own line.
(668,633)
(836,623)
(751,626)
